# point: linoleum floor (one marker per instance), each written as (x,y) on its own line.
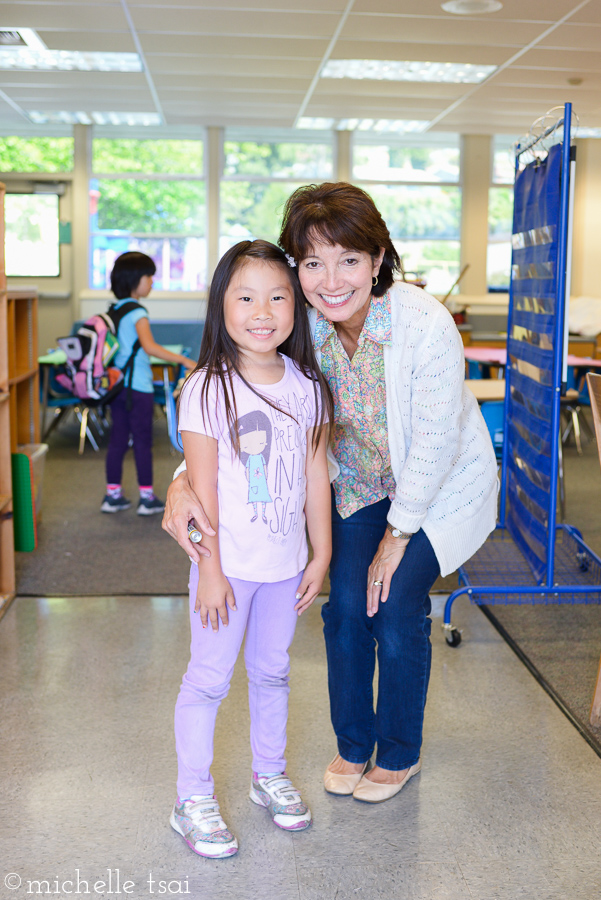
(507,806)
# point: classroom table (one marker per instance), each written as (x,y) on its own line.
(497,356)
(486,388)
(59,358)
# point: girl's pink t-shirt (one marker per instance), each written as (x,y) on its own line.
(262,488)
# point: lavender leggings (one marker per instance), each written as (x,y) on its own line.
(266,613)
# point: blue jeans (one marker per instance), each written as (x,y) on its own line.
(401,631)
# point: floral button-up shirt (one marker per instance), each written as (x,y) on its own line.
(360,432)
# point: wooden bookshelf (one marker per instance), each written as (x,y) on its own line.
(7,557)
(23,378)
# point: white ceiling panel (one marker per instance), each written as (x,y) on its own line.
(547,11)
(453,30)
(95,40)
(186,65)
(224,22)
(574,37)
(60,80)
(577,61)
(334,87)
(281,48)
(63,16)
(229,82)
(357,107)
(525,77)
(327,6)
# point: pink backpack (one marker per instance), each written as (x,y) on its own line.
(88,372)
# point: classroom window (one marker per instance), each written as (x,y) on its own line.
(136,203)
(424,223)
(500,215)
(415,185)
(39,154)
(500,221)
(32,235)
(386,162)
(258,177)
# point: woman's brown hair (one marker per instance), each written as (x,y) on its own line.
(339,213)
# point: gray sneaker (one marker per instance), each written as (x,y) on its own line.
(150,506)
(200,824)
(281,798)
(114,504)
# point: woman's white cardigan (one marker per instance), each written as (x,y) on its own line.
(442,457)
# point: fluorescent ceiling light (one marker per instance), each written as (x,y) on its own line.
(471,7)
(315,123)
(399,70)
(66,117)
(36,56)
(383,126)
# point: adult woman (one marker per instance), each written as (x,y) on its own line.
(414,489)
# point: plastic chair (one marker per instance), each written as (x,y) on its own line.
(493,412)
(572,403)
(171,413)
(63,402)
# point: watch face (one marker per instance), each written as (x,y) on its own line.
(396,532)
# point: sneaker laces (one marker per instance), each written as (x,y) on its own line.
(205,812)
(282,788)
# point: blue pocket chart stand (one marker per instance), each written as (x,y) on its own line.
(530,558)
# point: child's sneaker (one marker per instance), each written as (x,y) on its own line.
(114,504)
(200,824)
(281,798)
(149,506)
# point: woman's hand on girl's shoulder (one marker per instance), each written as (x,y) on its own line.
(213,597)
(311,584)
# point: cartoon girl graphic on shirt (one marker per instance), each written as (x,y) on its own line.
(254,441)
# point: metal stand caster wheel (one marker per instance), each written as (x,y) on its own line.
(452,635)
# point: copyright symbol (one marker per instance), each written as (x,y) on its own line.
(12,881)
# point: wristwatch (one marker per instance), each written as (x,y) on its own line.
(395,532)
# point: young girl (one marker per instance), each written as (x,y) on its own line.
(252,418)
(132,411)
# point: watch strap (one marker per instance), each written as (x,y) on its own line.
(397,533)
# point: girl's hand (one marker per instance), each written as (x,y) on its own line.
(385,563)
(311,584)
(181,505)
(213,597)
(188,363)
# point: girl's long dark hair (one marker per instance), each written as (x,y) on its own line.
(219,357)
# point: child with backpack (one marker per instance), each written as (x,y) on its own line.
(132,409)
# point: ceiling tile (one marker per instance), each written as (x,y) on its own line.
(194,64)
(549,11)
(327,6)
(115,41)
(63,16)
(245,24)
(279,48)
(452,30)
(574,37)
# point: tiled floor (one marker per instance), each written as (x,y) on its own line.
(508,804)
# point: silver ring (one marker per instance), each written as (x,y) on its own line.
(379,583)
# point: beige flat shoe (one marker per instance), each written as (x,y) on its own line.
(342,784)
(371,792)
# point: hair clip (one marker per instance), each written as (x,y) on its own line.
(291,261)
